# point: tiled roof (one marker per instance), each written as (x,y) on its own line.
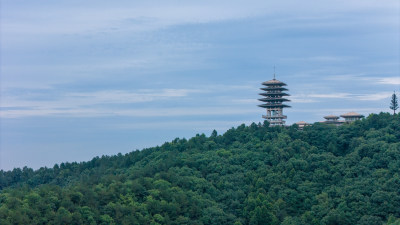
(331,117)
(351,114)
(274,81)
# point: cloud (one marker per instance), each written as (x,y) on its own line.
(142,112)
(346,77)
(338,111)
(139,103)
(295,99)
(320,59)
(179,124)
(246,101)
(312,98)
(365,77)
(332,95)
(374,96)
(134,16)
(389,80)
(75,103)
(95,16)
(119,96)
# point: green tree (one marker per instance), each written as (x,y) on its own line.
(393,103)
(250,175)
(63,216)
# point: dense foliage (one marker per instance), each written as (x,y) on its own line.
(250,175)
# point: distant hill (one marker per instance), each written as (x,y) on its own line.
(249,175)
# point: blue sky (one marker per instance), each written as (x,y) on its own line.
(85,79)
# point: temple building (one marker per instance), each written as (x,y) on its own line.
(302,124)
(351,117)
(348,118)
(332,119)
(273,99)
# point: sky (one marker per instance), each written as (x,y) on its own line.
(80,79)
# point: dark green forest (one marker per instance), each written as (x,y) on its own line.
(252,174)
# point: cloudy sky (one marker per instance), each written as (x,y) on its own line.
(81,79)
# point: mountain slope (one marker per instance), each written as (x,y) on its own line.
(249,175)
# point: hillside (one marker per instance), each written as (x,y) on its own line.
(249,175)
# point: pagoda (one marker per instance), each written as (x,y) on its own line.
(273,98)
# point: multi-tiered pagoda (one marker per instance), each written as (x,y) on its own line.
(274,98)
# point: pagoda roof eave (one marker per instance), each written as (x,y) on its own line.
(269,94)
(274,106)
(274,99)
(274,82)
(274,88)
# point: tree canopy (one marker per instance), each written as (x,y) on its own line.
(252,174)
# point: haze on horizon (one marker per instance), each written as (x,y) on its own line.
(85,79)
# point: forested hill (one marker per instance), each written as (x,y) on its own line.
(249,175)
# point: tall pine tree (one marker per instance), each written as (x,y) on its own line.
(394,104)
